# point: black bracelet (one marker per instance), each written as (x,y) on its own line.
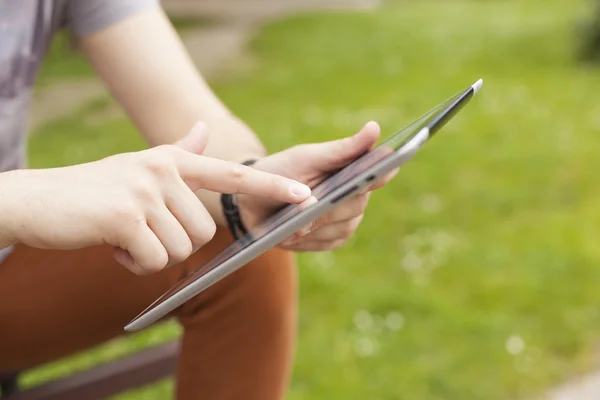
(232,212)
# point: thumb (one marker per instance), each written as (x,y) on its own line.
(336,154)
(196,139)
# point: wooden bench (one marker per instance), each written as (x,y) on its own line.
(100,382)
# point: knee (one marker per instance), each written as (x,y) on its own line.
(244,328)
(264,293)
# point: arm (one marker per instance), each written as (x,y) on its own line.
(148,70)
(142,203)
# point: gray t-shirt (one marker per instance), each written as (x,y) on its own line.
(26,30)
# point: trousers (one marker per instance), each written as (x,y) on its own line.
(238,335)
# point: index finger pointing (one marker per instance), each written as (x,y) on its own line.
(200,172)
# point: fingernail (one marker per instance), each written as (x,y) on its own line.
(300,190)
(371,124)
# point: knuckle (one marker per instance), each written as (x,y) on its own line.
(237,170)
(237,173)
(159,162)
(128,213)
(145,189)
(272,185)
(279,182)
(206,234)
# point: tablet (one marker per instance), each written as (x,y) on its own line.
(359,174)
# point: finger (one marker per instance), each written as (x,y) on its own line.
(308,227)
(191,214)
(141,251)
(336,154)
(348,210)
(125,259)
(220,176)
(314,246)
(195,141)
(171,234)
(340,230)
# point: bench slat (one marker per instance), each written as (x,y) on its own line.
(109,379)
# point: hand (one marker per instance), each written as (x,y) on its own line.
(311,164)
(142,203)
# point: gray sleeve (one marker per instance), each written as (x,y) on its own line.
(85,17)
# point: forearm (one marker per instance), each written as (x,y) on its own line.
(149,71)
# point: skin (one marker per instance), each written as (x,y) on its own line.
(159,206)
(142,203)
(311,164)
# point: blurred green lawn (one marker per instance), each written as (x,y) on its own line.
(475,274)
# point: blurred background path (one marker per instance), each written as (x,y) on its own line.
(211,45)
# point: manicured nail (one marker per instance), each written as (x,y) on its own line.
(299,190)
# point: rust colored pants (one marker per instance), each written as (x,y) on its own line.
(238,335)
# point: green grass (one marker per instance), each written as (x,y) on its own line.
(63,62)
(475,274)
